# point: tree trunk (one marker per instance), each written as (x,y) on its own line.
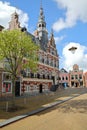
(13,92)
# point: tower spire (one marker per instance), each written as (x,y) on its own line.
(41,32)
(52,40)
(41,15)
(41,4)
(52,33)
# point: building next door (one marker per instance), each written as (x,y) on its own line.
(17,88)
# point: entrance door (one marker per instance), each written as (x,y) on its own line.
(40,88)
(77,84)
(53,78)
(17,88)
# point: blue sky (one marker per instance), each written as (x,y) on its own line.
(67,18)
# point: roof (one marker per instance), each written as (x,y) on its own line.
(63,70)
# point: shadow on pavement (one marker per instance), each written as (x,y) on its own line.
(74,106)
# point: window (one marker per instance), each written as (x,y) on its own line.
(76,76)
(32,75)
(66,78)
(48,62)
(43,76)
(59,78)
(62,78)
(72,76)
(40,57)
(38,75)
(6,76)
(51,63)
(6,87)
(55,65)
(27,72)
(27,88)
(39,25)
(42,25)
(43,60)
(80,76)
(52,52)
(7,65)
(48,76)
(35,75)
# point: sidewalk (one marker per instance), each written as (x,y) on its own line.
(61,99)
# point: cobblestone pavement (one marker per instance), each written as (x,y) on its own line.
(70,115)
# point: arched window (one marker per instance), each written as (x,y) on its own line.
(42,25)
(39,25)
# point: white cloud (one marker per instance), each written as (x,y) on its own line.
(59,39)
(79,57)
(5,14)
(75,10)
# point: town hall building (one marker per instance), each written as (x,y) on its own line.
(48,63)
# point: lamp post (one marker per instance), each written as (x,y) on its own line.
(72,49)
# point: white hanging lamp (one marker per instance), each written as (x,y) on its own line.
(72,49)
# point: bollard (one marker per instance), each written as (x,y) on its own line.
(6,106)
(24,100)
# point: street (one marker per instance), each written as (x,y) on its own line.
(71,115)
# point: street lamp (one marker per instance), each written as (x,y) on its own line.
(72,49)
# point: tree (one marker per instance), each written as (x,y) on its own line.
(14,47)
